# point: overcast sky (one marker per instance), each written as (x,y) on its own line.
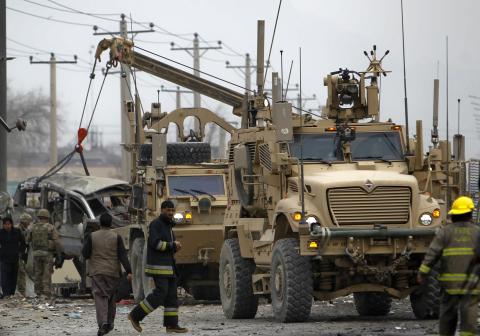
(332,34)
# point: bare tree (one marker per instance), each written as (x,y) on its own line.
(34,107)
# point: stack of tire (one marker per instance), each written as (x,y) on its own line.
(182,153)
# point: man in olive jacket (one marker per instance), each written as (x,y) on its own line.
(104,251)
(161,247)
(454,246)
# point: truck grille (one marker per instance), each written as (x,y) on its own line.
(384,205)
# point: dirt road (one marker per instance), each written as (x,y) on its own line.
(77,317)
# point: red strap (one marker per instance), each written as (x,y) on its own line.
(82,134)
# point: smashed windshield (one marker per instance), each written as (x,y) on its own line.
(195,184)
(366,146)
(377,146)
(316,147)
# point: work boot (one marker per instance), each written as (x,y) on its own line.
(176,329)
(135,323)
(103,330)
(110,327)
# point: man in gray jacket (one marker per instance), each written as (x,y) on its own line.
(104,251)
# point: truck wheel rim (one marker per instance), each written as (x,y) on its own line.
(227,280)
(279,276)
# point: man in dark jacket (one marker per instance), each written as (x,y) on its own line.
(454,246)
(104,251)
(161,247)
(12,246)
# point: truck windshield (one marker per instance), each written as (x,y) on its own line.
(210,184)
(366,146)
(316,147)
(377,146)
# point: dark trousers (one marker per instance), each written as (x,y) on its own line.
(103,289)
(9,277)
(164,294)
(451,306)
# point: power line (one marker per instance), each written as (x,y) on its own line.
(65,10)
(192,68)
(48,18)
(84,13)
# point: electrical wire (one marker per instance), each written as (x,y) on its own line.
(189,67)
(97,16)
(273,38)
(73,11)
(49,18)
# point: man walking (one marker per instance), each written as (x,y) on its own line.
(161,247)
(12,245)
(25,221)
(454,246)
(104,251)
(44,241)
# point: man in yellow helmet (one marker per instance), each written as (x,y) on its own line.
(454,246)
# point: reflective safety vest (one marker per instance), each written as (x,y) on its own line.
(454,246)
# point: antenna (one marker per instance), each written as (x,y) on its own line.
(458,116)
(288,81)
(448,135)
(281,73)
(302,176)
(407,133)
(434,134)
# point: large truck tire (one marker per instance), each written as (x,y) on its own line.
(136,262)
(372,303)
(235,282)
(291,283)
(425,301)
(188,153)
(207,293)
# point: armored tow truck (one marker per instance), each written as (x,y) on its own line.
(323,208)
(184,173)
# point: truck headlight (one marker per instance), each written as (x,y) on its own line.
(425,219)
(311,220)
(178,217)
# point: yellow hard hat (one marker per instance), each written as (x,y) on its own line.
(462,205)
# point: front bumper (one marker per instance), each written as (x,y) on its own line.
(376,241)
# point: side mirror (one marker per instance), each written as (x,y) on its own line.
(137,196)
(159,150)
(282,119)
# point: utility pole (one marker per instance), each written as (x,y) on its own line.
(300,100)
(248,69)
(3,95)
(195,53)
(125,87)
(178,95)
(53,102)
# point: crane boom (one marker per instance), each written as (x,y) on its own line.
(121,50)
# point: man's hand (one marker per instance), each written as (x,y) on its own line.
(420,278)
(129,276)
(178,245)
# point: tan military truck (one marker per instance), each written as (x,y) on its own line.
(181,171)
(323,208)
(184,173)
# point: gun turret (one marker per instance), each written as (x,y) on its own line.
(348,97)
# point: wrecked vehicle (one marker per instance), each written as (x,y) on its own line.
(75,202)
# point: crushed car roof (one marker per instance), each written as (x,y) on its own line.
(79,183)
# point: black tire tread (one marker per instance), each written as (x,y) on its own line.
(244,302)
(188,153)
(372,303)
(425,301)
(135,262)
(299,283)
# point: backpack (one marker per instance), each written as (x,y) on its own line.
(40,237)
